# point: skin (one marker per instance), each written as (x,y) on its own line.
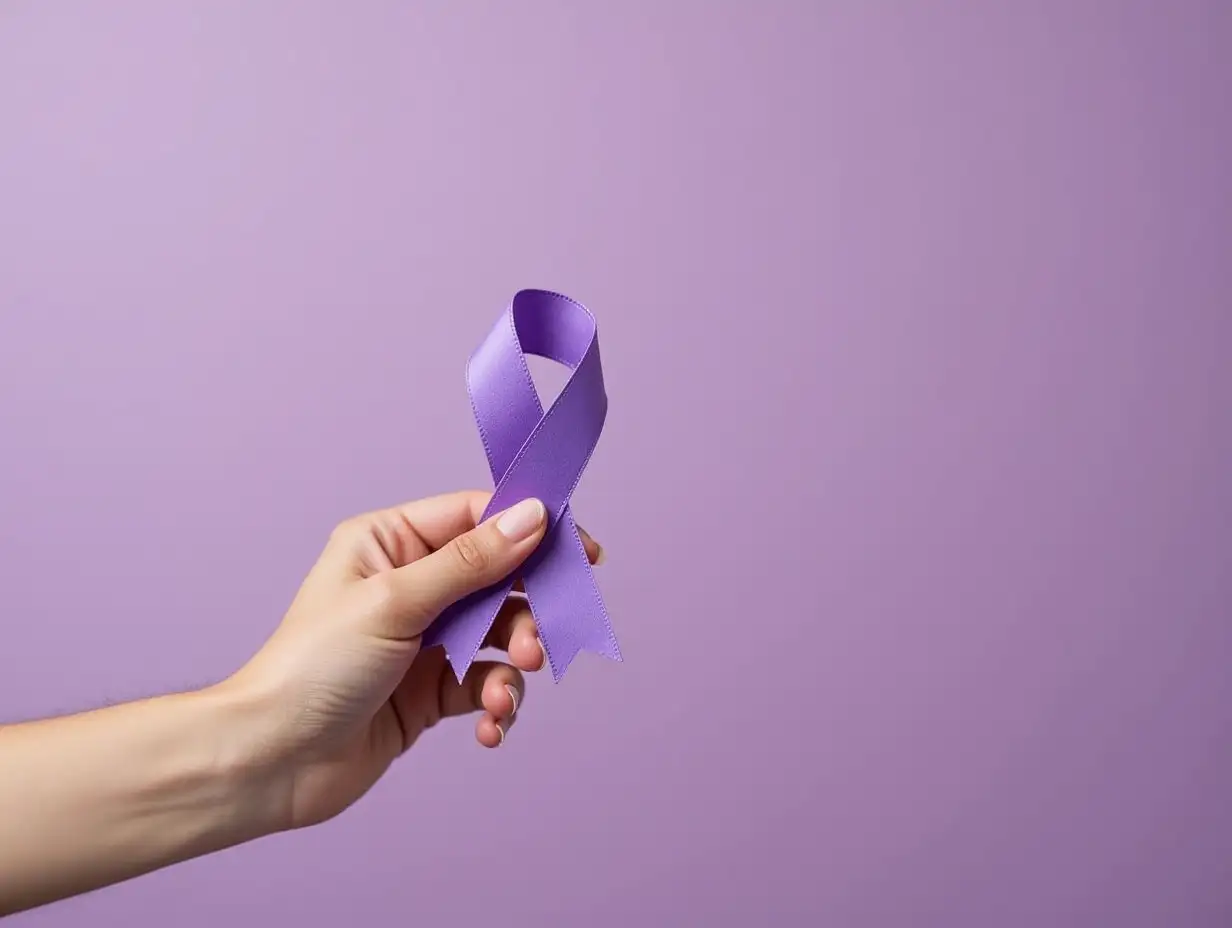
(299,733)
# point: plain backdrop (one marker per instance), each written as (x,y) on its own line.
(915,486)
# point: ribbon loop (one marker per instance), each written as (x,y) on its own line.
(543,455)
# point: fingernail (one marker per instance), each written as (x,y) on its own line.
(521,521)
(601,556)
(500,727)
(513,694)
(546,663)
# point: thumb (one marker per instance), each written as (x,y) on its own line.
(421,590)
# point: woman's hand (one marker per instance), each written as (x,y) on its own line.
(298,734)
(342,688)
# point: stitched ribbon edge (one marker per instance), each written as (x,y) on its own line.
(590,354)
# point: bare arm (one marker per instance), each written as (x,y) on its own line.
(100,797)
(301,732)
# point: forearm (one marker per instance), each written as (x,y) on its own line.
(93,799)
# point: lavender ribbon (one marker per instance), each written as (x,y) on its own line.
(533,454)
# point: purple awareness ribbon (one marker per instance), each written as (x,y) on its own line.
(533,454)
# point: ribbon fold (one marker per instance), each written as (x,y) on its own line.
(536,454)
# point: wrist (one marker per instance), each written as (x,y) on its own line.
(244,771)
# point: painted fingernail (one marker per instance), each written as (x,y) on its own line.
(502,726)
(521,521)
(546,663)
(513,694)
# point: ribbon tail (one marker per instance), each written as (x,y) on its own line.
(565,599)
(462,628)
(561,650)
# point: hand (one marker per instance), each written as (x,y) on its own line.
(298,734)
(342,688)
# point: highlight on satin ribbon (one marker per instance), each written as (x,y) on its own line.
(543,455)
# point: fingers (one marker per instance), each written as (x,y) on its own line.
(438,519)
(594,550)
(415,594)
(515,633)
(495,689)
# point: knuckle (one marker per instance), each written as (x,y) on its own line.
(385,592)
(472,555)
(345,530)
(394,607)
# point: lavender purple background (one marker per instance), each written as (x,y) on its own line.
(917,328)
